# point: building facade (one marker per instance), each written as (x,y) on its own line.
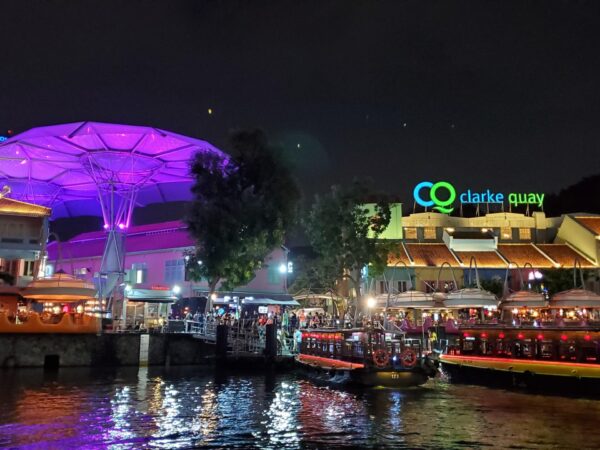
(440,252)
(155,261)
(23,234)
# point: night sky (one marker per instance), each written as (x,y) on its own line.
(493,94)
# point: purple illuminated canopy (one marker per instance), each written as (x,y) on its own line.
(119,166)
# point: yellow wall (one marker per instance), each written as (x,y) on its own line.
(579,237)
(394,229)
(423,274)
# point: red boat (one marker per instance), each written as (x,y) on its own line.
(364,356)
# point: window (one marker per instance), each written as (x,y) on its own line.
(28,267)
(140,272)
(429,233)
(525,234)
(174,271)
(402,286)
(383,287)
(429,286)
(506,233)
(273,274)
(410,233)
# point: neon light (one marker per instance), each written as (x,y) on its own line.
(563,337)
(470,196)
(440,205)
(511,360)
(332,362)
(520,336)
(540,336)
(501,335)
(587,337)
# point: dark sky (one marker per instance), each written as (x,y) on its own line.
(495,94)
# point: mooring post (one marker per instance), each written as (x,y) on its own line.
(221,347)
(271,340)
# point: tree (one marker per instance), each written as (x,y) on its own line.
(241,210)
(558,280)
(343,232)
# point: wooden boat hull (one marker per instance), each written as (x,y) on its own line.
(341,372)
(533,374)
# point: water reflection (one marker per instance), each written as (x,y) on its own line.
(192,407)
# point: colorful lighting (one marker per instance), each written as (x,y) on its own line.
(501,335)
(540,336)
(484,335)
(587,337)
(563,337)
(520,335)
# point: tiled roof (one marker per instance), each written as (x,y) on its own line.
(483,259)
(591,223)
(398,255)
(431,255)
(10,206)
(159,236)
(564,255)
(521,254)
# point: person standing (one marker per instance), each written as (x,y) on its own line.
(297,340)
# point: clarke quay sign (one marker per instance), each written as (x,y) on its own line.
(442,196)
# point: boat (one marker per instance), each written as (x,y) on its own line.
(542,344)
(364,356)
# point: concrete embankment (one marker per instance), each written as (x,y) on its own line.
(72,350)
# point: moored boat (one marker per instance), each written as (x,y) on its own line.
(365,356)
(543,344)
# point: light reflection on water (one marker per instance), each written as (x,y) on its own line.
(194,407)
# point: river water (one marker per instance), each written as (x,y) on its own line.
(195,407)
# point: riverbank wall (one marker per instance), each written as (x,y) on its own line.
(110,349)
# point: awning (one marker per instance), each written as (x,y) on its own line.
(256,301)
(471,298)
(60,288)
(150,296)
(524,299)
(575,298)
(408,299)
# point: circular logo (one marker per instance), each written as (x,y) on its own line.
(440,205)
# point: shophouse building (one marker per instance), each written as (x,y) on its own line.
(440,252)
(155,265)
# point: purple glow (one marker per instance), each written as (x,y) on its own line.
(121,226)
(65,166)
(106,226)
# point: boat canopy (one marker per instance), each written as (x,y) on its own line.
(59,288)
(524,299)
(575,298)
(471,298)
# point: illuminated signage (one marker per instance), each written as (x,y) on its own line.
(442,196)
(3,138)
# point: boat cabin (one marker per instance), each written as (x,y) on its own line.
(359,347)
